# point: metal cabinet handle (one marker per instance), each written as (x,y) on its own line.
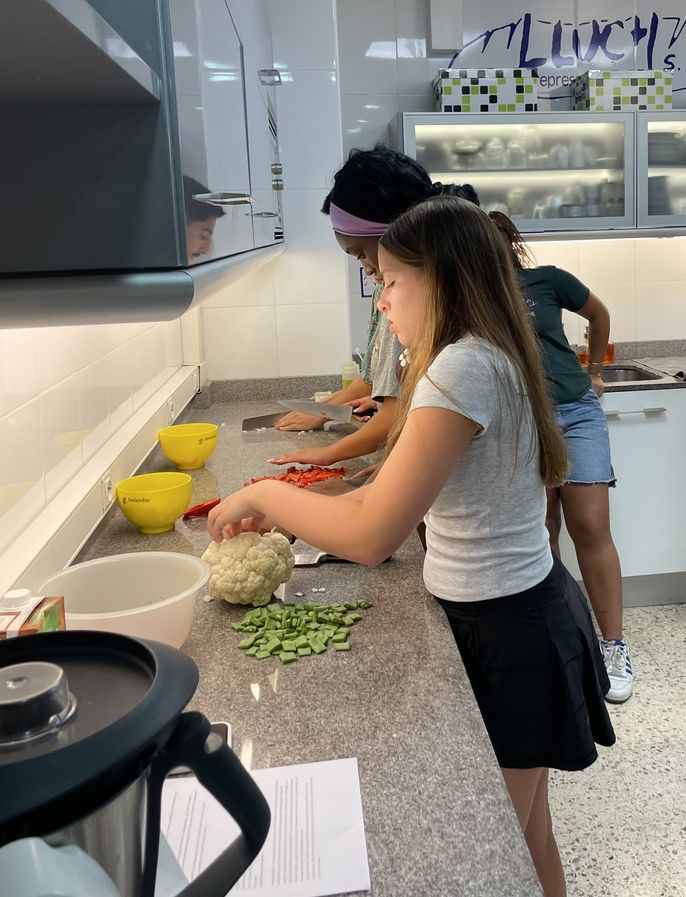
(265,214)
(269,77)
(277,168)
(277,183)
(224,199)
(637,411)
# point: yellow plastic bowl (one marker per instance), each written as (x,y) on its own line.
(154,501)
(188,445)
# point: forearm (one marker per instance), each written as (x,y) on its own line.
(598,336)
(358,389)
(369,438)
(344,526)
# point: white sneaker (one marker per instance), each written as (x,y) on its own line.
(619,670)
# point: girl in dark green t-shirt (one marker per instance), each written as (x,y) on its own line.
(584,499)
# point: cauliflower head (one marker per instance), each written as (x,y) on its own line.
(248,568)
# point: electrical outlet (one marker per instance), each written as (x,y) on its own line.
(170,411)
(107,491)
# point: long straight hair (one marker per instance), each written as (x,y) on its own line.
(471,288)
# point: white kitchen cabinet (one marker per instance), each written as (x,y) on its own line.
(661,163)
(549,171)
(105,186)
(647,438)
(262,83)
(208,66)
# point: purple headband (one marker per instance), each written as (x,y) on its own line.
(352,226)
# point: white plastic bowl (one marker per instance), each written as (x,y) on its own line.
(145,594)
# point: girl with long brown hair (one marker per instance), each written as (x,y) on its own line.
(475,445)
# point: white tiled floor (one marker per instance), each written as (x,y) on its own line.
(621,825)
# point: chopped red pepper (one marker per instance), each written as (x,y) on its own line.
(203,509)
(304,477)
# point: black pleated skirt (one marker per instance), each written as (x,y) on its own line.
(537,673)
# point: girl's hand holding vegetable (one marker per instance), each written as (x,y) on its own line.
(236,514)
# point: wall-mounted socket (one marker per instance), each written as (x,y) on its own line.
(107,491)
(170,411)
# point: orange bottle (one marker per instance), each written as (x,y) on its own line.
(582,349)
(609,353)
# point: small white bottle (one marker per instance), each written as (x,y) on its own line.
(350,372)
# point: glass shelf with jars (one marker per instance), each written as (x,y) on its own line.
(661,165)
(558,171)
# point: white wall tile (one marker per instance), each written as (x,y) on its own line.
(607,261)
(562,254)
(661,310)
(367,46)
(366,119)
(173,345)
(416,102)
(312,269)
(18,381)
(620,299)
(240,342)
(60,434)
(21,453)
(119,401)
(61,351)
(138,353)
(309,127)
(255,288)
(20,502)
(416,70)
(320,346)
(303,34)
(661,259)
(93,406)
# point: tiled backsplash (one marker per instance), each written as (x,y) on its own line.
(642,282)
(64,391)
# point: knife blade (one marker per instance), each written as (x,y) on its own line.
(259,423)
(342,413)
(313,557)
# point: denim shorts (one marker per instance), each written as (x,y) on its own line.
(585,430)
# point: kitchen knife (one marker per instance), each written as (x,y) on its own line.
(342,413)
(259,423)
(310,557)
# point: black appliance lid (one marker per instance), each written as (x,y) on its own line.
(71,742)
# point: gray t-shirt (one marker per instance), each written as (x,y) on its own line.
(383,351)
(385,354)
(485,531)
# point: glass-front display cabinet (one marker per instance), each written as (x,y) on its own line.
(661,166)
(557,171)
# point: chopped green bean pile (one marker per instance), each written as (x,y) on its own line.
(291,631)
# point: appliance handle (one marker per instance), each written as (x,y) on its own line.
(221,772)
(657,410)
(223,198)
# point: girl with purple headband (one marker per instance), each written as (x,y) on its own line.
(372,189)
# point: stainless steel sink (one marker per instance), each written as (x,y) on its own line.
(628,373)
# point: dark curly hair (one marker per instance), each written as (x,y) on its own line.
(381,183)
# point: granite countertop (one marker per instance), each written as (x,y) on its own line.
(437,816)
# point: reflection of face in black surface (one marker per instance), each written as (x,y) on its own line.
(199,238)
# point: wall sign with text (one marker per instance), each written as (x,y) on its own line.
(550,37)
